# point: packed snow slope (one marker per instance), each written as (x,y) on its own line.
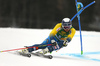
(13,38)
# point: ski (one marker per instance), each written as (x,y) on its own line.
(36,54)
(42,55)
(23,54)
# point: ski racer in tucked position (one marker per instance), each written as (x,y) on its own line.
(59,37)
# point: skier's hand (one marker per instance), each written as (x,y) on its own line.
(65,43)
(54,43)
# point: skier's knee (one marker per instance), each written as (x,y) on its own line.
(32,48)
(50,49)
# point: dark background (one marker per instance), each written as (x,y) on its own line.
(44,14)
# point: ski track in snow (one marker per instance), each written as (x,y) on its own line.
(12,38)
(84,56)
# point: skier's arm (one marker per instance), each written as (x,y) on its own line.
(70,36)
(55,30)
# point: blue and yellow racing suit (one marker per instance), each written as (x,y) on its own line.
(59,35)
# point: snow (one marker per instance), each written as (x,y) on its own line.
(12,38)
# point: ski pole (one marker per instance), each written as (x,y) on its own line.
(23,48)
(12,49)
(15,49)
(82,10)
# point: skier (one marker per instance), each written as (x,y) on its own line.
(59,37)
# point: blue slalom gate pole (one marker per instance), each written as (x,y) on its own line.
(80,34)
(82,10)
(79,11)
(78,16)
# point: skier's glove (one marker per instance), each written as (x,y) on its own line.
(54,43)
(65,43)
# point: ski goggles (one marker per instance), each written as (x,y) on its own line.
(66,23)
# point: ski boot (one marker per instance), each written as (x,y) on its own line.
(25,52)
(43,52)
